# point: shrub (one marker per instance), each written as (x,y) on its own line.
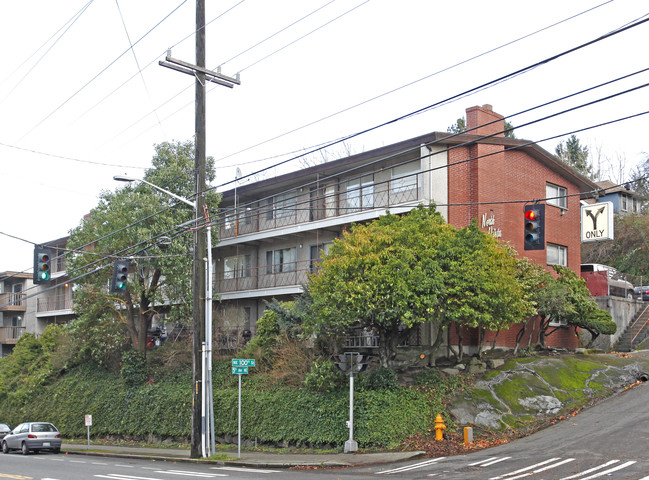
(324,376)
(378,379)
(428,377)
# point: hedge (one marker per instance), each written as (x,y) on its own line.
(382,418)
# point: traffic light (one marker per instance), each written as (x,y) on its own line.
(351,362)
(534,227)
(120,275)
(42,270)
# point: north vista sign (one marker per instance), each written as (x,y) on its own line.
(597,222)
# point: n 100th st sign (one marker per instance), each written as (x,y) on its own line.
(597,222)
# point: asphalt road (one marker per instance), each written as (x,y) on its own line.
(608,441)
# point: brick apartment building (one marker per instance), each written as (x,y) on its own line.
(281,224)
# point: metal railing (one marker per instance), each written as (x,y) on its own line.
(317,204)
(638,329)
(55,303)
(10,335)
(266,276)
(13,302)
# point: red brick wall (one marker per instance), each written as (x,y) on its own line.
(511,176)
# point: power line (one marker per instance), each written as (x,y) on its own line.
(100,72)
(394,90)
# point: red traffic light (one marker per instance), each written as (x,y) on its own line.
(530,215)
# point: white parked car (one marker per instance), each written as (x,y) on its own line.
(32,437)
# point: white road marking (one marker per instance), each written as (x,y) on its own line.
(411,467)
(539,470)
(526,469)
(192,474)
(244,469)
(610,470)
(99,463)
(116,476)
(493,462)
(478,463)
(590,470)
(122,465)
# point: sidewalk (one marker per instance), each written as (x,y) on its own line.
(251,459)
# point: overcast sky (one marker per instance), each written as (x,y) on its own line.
(78,105)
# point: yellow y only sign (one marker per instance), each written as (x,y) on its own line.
(597,222)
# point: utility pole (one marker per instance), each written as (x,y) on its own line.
(199,423)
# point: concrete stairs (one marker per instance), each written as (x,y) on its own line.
(635,333)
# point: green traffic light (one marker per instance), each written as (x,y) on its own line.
(44,276)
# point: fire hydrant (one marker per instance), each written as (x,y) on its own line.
(439,428)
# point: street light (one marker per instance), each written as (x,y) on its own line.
(202,349)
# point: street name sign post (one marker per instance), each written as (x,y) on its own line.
(240,367)
(88,421)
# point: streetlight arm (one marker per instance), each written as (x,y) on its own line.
(177,197)
(124,178)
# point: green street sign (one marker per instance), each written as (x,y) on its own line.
(241,362)
(239,370)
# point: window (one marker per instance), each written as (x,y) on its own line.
(315,254)
(359,194)
(404,177)
(557,255)
(624,206)
(236,267)
(284,205)
(279,261)
(556,195)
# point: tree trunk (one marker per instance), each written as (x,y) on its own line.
(493,345)
(460,349)
(481,335)
(519,336)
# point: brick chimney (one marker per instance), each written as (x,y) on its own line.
(484,121)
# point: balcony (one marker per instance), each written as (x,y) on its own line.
(10,335)
(265,277)
(295,208)
(13,302)
(55,303)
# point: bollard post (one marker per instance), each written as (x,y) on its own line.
(468,435)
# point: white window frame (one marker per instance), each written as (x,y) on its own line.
(556,195)
(559,254)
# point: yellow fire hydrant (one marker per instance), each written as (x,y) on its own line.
(439,428)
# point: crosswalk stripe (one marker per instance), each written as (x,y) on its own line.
(244,469)
(543,469)
(526,469)
(610,470)
(493,462)
(590,470)
(192,474)
(411,467)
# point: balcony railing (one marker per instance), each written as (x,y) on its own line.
(266,276)
(53,304)
(10,335)
(318,204)
(13,302)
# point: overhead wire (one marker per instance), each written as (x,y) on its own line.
(203,223)
(67,24)
(538,63)
(100,72)
(426,77)
(458,95)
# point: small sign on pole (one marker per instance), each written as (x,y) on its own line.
(240,367)
(88,422)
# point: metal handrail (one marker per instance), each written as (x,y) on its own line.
(640,329)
